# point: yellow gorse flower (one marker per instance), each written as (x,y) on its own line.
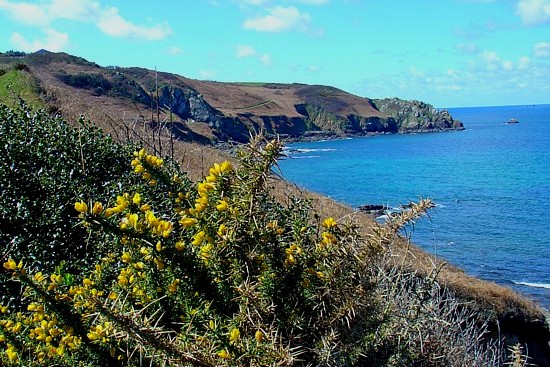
(222,205)
(234,335)
(224,354)
(97,208)
(10,265)
(329,223)
(81,206)
(188,222)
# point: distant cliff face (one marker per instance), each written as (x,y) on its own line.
(413,116)
(229,111)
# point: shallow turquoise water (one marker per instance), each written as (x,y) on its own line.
(491,183)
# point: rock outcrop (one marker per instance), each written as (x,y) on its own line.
(415,116)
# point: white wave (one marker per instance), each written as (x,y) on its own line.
(306,150)
(305,156)
(533,285)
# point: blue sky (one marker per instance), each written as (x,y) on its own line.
(448,53)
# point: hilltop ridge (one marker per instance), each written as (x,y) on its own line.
(220,111)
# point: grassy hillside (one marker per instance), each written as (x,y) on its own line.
(15,84)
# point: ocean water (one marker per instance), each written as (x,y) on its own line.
(491,184)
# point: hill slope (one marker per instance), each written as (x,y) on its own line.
(223,111)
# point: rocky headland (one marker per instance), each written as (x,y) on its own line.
(214,111)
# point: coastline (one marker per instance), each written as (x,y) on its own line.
(313,136)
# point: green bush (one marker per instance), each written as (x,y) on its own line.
(214,273)
(45,165)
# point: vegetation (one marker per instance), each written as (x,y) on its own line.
(16,83)
(113,256)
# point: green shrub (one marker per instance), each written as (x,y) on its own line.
(45,165)
(206,274)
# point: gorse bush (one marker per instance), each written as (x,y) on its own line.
(45,164)
(211,273)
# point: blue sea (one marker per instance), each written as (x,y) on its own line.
(491,184)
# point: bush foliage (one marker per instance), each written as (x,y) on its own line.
(120,259)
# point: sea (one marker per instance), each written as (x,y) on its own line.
(490,183)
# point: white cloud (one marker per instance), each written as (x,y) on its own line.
(524,63)
(265,59)
(53,41)
(492,62)
(279,19)
(542,50)
(507,65)
(491,59)
(26,13)
(107,19)
(314,2)
(534,12)
(174,50)
(79,10)
(111,23)
(245,51)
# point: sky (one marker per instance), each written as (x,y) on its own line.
(449,53)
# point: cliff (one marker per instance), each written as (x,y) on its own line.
(220,111)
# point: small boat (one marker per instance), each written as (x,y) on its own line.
(512,121)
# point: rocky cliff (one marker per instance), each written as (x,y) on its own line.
(225,111)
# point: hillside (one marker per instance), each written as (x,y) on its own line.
(205,110)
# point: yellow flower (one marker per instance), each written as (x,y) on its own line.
(10,265)
(39,277)
(224,354)
(180,246)
(205,251)
(97,208)
(133,220)
(164,228)
(151,218)
(188,222)
(222,230)
(234,335)
(139,169)
(221,168)
(126,257)
(198,238)
(12,354)
(258,336)
(145,207)
(141,154)
(329,223)
(160,264)
(16,328)
(136,199)
(81,206)
(87,282)
(222,205)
